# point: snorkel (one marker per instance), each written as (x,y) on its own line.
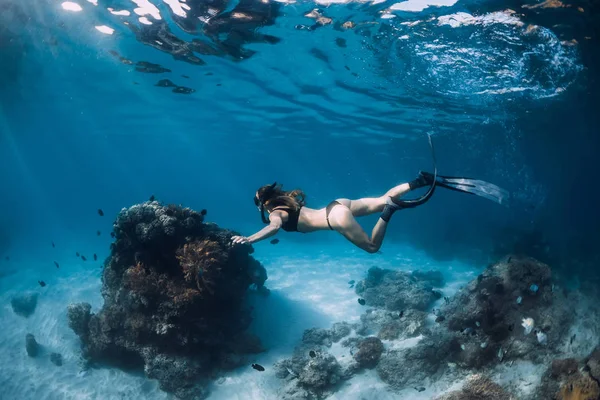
(259,201)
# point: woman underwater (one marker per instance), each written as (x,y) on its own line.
(287,210)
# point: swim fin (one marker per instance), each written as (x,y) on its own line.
(468,185)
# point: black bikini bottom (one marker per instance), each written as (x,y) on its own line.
(328,210)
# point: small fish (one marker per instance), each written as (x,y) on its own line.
(100,212)
(528,324)
(468,331)
(77,254)
(420,389)
(98,233)
(183,90)
(401,314)
(519,300)
(441,318)
(451,365)
(291,372)
(312,354)
(351,286)
(352,282)
(511,327)
(572,338)
(447,300)
(483,345)
(42,283)
(152,198)
(57,266)
(552,288)
(541,337)
(185,76)
(437,294)
(53,244)
(7,258)
(258,367)
(362,302)
(534,288)
(95,257)
(462,347)
(274,241)
(509,260)
(501,354)
(112,234)
(165,83)
(203,211)
(477,324)
(83,258)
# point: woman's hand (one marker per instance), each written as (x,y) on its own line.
(239,240)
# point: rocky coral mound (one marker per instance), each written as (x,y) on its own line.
(570,379)
(312,372)
(479,387)
(24,304)
(399,290)
(511,311)
(173,291)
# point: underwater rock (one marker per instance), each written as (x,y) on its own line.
(313,373)
(317,336)
(369,352)
(174,290)
(32,347)
(79,317)
(392,325)
(478,387)
(593,364)
(320,372)
(398,290)
(411,366)
(485,311)
(339,330)
(25,304)
(56,359)
(564,367)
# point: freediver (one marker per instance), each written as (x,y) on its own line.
(286,209)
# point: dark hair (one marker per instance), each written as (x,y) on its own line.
(274,196)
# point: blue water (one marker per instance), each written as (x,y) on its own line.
(338,110)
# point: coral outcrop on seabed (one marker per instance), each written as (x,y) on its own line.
(24,304)
(479,387)
(314,372)
(570,379)
(398,290)
(173,291)
(511,312)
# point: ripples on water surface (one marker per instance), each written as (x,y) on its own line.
(357,68)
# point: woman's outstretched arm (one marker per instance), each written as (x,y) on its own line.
(264,233)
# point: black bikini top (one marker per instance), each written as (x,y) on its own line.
(291,225)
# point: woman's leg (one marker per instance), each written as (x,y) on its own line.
(372,205)
(343,221)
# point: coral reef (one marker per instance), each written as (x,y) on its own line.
(369,352)
(510,312)
(174,290)
(398,290)
(25,304)
(569,379)
(312,372)
(479,387)
(488,315)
